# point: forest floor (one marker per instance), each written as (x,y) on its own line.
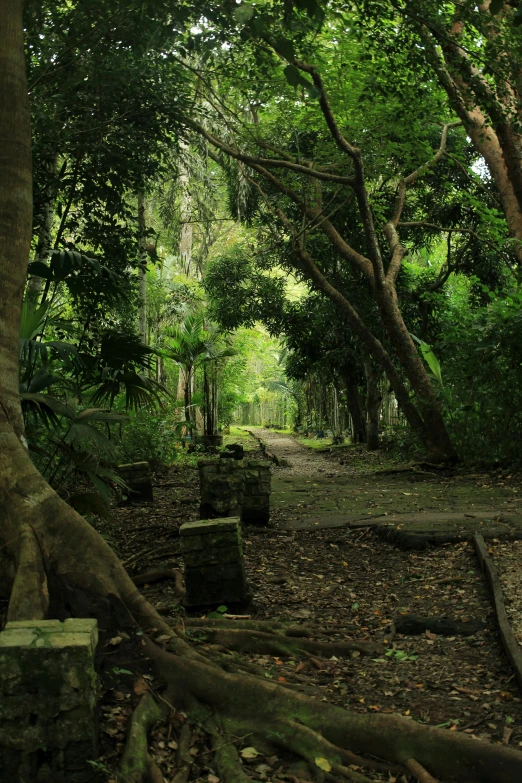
(333,557)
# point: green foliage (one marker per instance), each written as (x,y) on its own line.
(150,436)
(481,348)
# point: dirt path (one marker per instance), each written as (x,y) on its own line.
(414,508)
(323,563)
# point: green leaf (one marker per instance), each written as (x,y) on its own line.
(39,269)
(243,13)
(312,91)
(323,764)
(429,357)
(222,609)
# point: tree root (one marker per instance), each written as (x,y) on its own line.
(29,595)
(269,644)
(422,775)
(136,766)
(183,758)
(157,576)
(273,716)
(40,531)
(266,626)
(228,762)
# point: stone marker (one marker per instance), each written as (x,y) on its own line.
(48,701)
(213,557)
(137,477)
(256,495)
(222,487)
(235,488)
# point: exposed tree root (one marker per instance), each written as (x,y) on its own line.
(183,758)
(422,775)
(267,626)
(273,716)
(227,757)
(269,644)
(157,576)
(136,766)
(29,595)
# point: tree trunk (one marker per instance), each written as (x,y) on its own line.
(186,233)
(15,211)
(373,402)
(355,407)
(440,447)
(142,245)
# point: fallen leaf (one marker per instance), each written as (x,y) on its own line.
(323,764)
(249,753)
(115,640)
(140,686)
(506,736)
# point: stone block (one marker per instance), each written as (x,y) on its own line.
(235,489)
(212,556)
(213,559)
(48,700)
(137,477)
(205,527)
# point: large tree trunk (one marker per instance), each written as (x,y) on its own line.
(438,440)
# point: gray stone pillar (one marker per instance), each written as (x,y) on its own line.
(222,486)
(232,488)
(48,701)
(213,557)
(137,477)
(256,497)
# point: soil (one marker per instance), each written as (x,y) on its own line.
(323,561)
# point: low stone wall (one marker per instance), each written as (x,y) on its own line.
(137,477)
(48,700)
(213,557)
(232,488)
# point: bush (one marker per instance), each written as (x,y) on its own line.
(151,436)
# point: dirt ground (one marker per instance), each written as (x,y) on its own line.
(324,561)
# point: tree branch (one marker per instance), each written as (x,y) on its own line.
(390,229)
(271,162)
(373,345)
(359,181)
(357,260)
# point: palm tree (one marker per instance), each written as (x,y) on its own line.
(193,343)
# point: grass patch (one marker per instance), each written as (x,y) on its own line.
(238,433)
(321,443)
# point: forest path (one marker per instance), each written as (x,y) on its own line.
(413,508)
